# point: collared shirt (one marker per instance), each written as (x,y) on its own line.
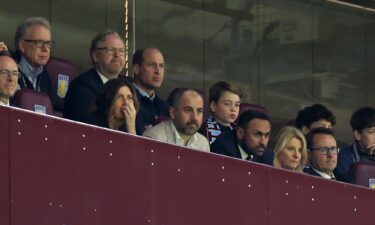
(244,154)
(324,175)
(143,93)
(104,78)
(4,104)
(31,73)
(167,132)
(192,143)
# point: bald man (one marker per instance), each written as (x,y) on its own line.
(186,112)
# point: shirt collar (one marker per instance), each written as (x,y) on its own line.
(4,104)
(179,141)
(244,154)
(104,78)
(324,175)
(143,93)
(29,71)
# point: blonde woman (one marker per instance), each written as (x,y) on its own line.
(290,149)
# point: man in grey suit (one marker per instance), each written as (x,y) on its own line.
(186,113)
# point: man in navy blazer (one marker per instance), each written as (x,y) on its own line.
(322,150)
(108,57)
(248,141)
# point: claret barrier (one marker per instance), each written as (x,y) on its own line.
(55,171)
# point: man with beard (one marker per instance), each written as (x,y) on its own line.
(186,112)
(322,153)
(107,53)
(148,67)
(249,140)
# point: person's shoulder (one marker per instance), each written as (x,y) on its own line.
(158,130)
(86,76)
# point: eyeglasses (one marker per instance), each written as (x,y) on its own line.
(13,74)
(41,43)
(326,150)
(112,51)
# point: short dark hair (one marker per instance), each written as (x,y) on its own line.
(176,94)
(249,115)
(138,57)
(217,90)
(313,113)
(105,98)
(319,130)
(363,118)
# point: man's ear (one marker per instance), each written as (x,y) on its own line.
(172,112)
(94,56)
(304,129)
(240,133)
(21,46)
(357,135)
(136,68)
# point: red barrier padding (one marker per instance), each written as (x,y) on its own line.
(63,172)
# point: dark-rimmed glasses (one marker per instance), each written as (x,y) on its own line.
(13,74)
(41,43)
(111,51)
(325,150)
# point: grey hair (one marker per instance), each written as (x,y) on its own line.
(100,37)
(31,21)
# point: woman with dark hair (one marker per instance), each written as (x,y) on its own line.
(117,106)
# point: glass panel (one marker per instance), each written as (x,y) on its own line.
(339,63)
(175,27)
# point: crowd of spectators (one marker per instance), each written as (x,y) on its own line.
(101,96)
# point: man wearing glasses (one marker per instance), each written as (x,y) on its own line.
(8,77)
(107,53)
(322,152)
(33,49)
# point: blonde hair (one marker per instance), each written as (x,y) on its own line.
(282,139)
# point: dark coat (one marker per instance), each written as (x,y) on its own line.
(227,144)
(149,112)
(81,95)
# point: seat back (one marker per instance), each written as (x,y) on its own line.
(32,100)
(61,73)
(249,106)
(363,174)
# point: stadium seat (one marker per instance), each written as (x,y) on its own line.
(363,174)
(32,100)
(249,106)
(61,73)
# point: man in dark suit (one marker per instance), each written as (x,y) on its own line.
(108,57)
(148,67)
(33,48)
(322,153)
(248,141)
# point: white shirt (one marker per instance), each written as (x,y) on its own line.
(324,175)
(104,78)
(244,154)
(167,132)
